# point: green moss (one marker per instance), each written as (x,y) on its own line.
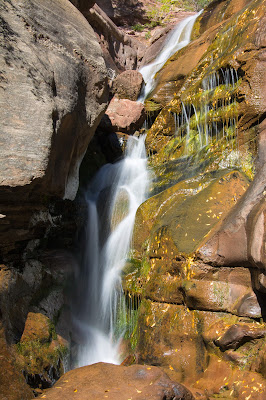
(52,330)
(37,358)
(138,27)
(221,296)
(145,268)
(27,349)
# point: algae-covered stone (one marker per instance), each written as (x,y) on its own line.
(41,352)
(190,210)
(171,336)
(37,327)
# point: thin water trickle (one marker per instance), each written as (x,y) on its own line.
(179,38)
(113,198)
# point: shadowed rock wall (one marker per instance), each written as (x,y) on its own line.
(53,95)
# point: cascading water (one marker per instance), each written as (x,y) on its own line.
(112,198)
(179,38)
(210,112)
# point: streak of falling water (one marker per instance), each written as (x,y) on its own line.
(112,199)
(178,39)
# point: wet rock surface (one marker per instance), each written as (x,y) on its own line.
(237,335)
(101,381)
(196,272)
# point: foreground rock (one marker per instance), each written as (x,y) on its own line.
(107,381)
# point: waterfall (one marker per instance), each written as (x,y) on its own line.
(178,39)
(112,201)
(212,115)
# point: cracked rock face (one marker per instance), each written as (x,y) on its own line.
(53,85)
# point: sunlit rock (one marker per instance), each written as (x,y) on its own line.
(125,115)
(117,382)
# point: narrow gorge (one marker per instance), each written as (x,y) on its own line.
(133,186)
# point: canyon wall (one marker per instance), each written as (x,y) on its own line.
(195,278)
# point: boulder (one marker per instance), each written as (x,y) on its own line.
(100,381)
(127,85)
(125,115)
(238,334)
(36,328)
(41,353)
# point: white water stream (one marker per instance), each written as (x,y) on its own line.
(179,38)
(112,198)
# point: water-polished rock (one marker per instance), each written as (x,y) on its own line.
(107,381)
(238,334)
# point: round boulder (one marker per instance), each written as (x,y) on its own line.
(127,85)
(114,382)
(125,115)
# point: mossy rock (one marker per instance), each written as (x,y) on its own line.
(41,352)
(190,210)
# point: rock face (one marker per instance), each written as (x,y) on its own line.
(12,382)
(35,316)
(195,282)
(53,95)
(101,380)
(61,75)
(122,12)
(121,52)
